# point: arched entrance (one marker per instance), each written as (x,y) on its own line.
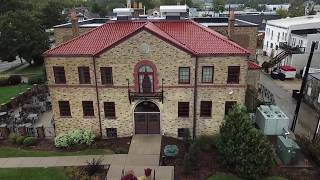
(147,118)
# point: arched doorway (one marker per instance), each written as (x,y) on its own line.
(147,118)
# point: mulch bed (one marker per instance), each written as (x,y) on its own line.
(209,164)
(118,145)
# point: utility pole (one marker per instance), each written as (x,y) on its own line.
(304,81)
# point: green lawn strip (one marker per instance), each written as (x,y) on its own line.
(15,152)
(32,174)
(8,92)
(29,70)
(223,176)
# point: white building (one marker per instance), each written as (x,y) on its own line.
(275,7)
(292,38)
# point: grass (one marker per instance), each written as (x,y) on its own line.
(15,152)
(223,176)
(32,174)
(8,92)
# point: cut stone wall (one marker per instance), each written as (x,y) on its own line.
(167,59)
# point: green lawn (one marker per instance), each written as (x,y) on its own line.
(8,92)
(27,71)
(223,176)
(32,174)
(15,152)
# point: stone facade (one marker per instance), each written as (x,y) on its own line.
(245,36)
(64,34)
(166,58)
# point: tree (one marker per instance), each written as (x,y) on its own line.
(13,5)
(242,147)
(51,14)
(218,5)
(22,35)
(283,13)
(296,8)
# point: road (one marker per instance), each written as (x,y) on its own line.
(307,119)
(6,65)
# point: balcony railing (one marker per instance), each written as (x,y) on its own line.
(132,95)
(291,49)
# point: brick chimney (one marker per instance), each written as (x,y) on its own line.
(231,23)
(74,24)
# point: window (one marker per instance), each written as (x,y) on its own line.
(267,43)
(319,98)
(271,35)
(112,132)
(87,107)
(184,75)
(207,74)
(282,36)
(183,109)
(317,45)
(146,77)
(278,38)
(205,108)
(59,75)
(64,108)
(271,45)
(109,109)
(228,106)
(84,75)
(106,75)
(182,132)
(233,74)
(309,91)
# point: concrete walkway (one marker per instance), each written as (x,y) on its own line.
(144,153)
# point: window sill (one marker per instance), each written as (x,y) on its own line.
(206,82)
(206,117)
(89,117)
(65,116)
(183,83)
(235,83)
(111,118)
(107,85)
(183,117)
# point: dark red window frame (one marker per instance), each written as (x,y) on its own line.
(88,109)
(146,74)
(233,75)
(228,106)
(64,108)
(212,75)
(183,80)
(59,75)
(183,109)
(106,75)
(109,109)
(84,75)
(205,108)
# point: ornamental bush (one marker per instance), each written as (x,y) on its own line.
(20,139)
(29,141)
(243,148)
(74,138)
(13,137)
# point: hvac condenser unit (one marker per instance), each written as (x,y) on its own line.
(271,120)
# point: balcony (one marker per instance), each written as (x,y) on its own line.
(133,96)
(291,49)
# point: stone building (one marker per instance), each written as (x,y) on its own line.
(146,77)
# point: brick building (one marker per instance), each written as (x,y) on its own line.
(146,77)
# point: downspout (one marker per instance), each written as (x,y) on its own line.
(97,92)
(195,96)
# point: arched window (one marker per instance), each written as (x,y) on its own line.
(146,78)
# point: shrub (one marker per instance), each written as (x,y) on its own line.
(244,148)
(29,141)
(74,138)
(206,143)
(20,139)
(38,79)
(93,167)
(13,138)
(191,159)
(14,80)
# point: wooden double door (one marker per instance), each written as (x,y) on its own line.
(147,122)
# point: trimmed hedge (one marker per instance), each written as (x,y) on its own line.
(20,139)
(74,138)
(29,141)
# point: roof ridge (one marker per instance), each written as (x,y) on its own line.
(182,44)
(220,36)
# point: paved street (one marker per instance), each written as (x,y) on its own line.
(307,118)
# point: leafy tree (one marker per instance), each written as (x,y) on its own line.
(218,5)
(21,35)
(13,5)
(282,13)
(51,14)
(296,8)
(244,148)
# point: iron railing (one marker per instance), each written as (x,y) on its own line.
(292,49)
(132,95)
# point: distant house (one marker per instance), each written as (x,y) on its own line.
(311,93)
(275,7)
(83,13)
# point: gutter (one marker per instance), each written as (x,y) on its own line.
(195,97)
(97,92)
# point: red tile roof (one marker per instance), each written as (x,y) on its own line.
(253,65)
(184,34)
